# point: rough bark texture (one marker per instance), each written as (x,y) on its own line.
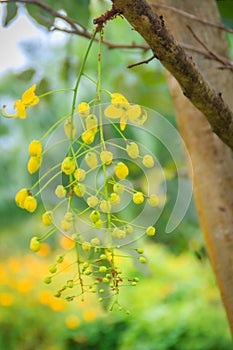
(142,17)
(212,160)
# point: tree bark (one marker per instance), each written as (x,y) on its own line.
(212,161)
(153,29)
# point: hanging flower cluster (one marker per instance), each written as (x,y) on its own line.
(86,188)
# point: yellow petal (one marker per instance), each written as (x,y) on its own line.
(116,98)
(123,122)
(113,112)
(29,98)
(133,112)
(141,119)
(20,109)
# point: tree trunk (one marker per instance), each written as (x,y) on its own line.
(212,161)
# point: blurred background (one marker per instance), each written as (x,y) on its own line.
(177,304)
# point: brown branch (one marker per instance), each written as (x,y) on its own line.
(51,11)
(76,26)
(141,62)
(224,62)
(152,28)
(194,18)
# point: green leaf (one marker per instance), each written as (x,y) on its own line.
(41,16)
(78,10)
(226,11)
(26,75)
(10,14)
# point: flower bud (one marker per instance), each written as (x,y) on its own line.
(83,109)
(121,170)
(35,244)
(91,160)
(80,174)
(47,218)
(60,191)
(33,164)
(106,157)
(30,204)
(68,165)
(138,198)
(35,149)
(20,197)
(148,161)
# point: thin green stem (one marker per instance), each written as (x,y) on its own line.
(48,182)
(54,91)
(80,75)
(53,127)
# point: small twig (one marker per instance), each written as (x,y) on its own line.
(228,64)
(224,62)
(50,10)
(195,18)
(105,17)
(142,62)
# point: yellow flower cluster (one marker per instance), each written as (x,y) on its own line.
(95,186)
(25,200)
(35,151)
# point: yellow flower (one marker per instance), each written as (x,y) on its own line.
(105,206)
(118,98)
(115,198)
(60,191)
(20,197)
(6,299)
(80,174)
(83,109)
(80,190)
(86,246)
(98,223)
(118,188)
(94,216)
(33,164)
(92,123)
(29,98)
(132,150)
(106,157)
(35,149)
(148,161)
(30,204)
(35,244)
(88,136)
(68,165)
(66,225)
(138,198)
(124,111)
(47,218)
(69,128)
(91,160)
(72,321)
(121,171)
(89,314)
(92,201)
(153,200)
(150,231)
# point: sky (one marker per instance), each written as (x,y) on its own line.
(22,29)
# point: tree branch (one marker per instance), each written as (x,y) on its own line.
(152,28)
(194,18)
(212,54)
